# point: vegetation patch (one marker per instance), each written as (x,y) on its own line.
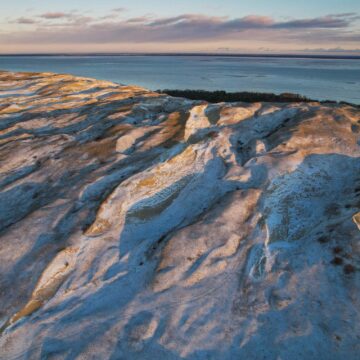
(349,269)
(337,260)
(218,96)
(223,96)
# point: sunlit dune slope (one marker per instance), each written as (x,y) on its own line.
(135,225)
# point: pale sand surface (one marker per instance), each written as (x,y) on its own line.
(140,226)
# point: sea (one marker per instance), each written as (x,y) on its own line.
(317,78)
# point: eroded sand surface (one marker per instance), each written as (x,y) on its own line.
(139,226)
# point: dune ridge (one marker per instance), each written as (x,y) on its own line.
(136,225)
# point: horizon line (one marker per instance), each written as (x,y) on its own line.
(210,54)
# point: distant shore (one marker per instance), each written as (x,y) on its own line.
(286,56)
(245,96)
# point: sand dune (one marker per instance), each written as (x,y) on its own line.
(140,226)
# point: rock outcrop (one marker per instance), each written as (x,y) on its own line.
(135,225)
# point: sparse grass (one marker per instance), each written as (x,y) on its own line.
(101,148)
(337,249)
(212,134)
(349,269)
(323,239)
(337,261)
(261,222)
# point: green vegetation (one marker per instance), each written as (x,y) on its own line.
(223,96)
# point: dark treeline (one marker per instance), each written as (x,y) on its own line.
(223,96)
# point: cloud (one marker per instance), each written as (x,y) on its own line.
(68,19)
(140,19)
(185,28)
(23,20)
(351,15)
(336,50)
(55,15)
(109,16)
(330,22)
(119,9)
(221,24)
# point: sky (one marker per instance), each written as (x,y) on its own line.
(222,26)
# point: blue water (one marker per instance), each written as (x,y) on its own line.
(332,79)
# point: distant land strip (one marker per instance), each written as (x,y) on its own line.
(286,56)
(245,96)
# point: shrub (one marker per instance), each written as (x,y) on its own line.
(223,96)
(337,260)
(349,269)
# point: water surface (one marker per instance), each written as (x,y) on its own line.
(333,79)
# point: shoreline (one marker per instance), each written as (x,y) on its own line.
(284,56)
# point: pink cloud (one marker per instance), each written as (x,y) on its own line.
(183,28)
(55,15)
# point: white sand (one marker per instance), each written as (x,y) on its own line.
(139,226)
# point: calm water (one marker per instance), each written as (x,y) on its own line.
(316,78)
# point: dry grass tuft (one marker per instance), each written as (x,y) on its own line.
(349,269)
(337,261)
(337,249)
